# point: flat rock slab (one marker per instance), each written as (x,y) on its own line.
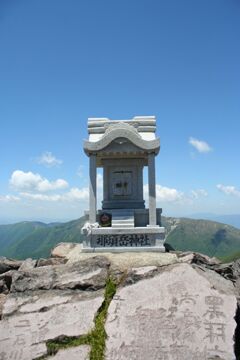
(30,320)
(2,301)
(178,314)
(73,253)
(123,261)
(76,353)
(28,264)
(89,274)
(51,261)
(64,250)
(9,264)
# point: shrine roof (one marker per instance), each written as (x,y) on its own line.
(140,131)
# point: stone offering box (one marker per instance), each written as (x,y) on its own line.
(122,148)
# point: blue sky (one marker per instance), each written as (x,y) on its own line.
(64,61)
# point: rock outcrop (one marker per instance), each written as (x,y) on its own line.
(143,306)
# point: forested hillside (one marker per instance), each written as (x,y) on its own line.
(36,239)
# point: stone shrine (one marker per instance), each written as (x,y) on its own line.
(122,148)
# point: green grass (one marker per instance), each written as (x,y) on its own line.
(96,338)
(230,258)
(98,334)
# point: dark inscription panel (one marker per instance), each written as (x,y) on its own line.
(122,240)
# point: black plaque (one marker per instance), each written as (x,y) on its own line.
(105,220)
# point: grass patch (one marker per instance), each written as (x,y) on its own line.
(98,334)
(232,257)
(95,338)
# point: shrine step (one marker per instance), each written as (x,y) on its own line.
(122,225)
(122,219)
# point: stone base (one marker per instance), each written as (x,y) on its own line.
(141,216)
(124,249)
(121,204)
(125,239)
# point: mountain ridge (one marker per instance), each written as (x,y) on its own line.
(35,239)
(229,219)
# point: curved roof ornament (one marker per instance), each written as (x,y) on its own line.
(121,125)
(125,130)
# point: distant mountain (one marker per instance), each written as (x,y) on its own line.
(204,236)
(233,219)
(36,239)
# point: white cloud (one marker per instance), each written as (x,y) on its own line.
(28,181)
(171,195)
(41,197)
(165,194)
(48,159)
(9,198)
(228,190)
(196,194)
(72,195)
(77,194)
(199,145)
